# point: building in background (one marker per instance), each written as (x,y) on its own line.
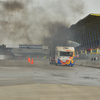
(87,33)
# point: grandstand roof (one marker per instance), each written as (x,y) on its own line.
(89,18)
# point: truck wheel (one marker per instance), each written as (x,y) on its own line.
(56,64)
(71,65)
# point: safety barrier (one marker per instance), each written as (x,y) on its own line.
(88,63)
(23,63)
(2,57)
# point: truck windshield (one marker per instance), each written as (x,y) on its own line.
(66,53)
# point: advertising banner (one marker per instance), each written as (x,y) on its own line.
(31,46)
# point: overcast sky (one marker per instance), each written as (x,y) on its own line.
(91,6)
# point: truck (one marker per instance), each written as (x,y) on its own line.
(63,55)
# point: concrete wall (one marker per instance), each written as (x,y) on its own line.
(87,63)
(24,63)
(5,57)
(88,56)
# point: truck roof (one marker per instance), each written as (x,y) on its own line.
(64,48)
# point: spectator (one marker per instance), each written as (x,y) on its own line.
(96,58)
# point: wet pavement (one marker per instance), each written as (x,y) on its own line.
(50,74)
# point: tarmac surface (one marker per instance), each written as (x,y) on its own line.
(49,92)
(42,81)
(42,73)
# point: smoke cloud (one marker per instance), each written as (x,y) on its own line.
(13,6)
(37,21)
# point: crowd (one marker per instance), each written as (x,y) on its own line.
(95,58)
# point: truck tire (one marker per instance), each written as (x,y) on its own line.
(71,65)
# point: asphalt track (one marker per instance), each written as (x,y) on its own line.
(42,81)
(42,73)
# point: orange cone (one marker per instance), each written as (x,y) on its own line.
(32,61)
(29,60)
